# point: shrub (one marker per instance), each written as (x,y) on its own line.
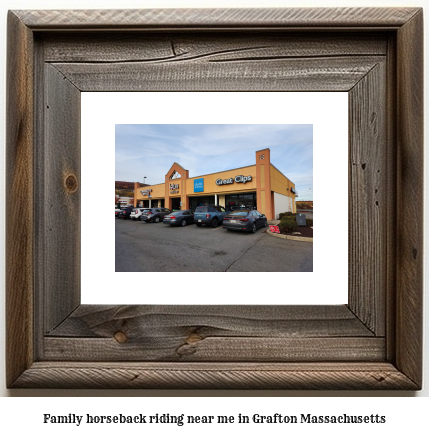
(285,214)
(288,225)
(309,222)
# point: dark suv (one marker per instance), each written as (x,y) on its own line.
(210,215)
(155,214)
(125,213)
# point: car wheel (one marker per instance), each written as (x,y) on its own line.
(254,228)
(183,223)
(214,223)
(156,219)
(198,224)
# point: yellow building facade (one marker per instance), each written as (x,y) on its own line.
(261,186)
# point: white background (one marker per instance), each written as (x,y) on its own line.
(22,414)
(328,112)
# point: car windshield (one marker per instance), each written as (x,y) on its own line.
(240,213)
(201,209)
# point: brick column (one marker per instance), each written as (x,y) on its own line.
(263,183)
(136,187)
(183,197)
(167,192)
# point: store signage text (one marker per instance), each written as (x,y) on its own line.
(199,185)
(146,192)
(236,179)
(174,188)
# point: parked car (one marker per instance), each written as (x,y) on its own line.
(137,212)
(210,215)
(245,220)
(126,212)
(117,213)
(179,218)
(155,214)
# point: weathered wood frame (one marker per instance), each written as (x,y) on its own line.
(374,342)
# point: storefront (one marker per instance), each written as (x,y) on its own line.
(194,202)
(241,201)
(261,186)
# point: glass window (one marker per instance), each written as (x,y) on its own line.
(240,201)
(239,213)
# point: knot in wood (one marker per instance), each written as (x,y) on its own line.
(71,183)
(120,337)
(193,337)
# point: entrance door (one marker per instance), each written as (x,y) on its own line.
(175,203)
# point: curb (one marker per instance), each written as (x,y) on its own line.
(293,238)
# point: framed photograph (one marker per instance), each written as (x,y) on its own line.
(143,134)
(374,341)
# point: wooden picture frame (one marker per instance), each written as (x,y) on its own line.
(373,342)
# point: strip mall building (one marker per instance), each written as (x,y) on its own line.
(261,186)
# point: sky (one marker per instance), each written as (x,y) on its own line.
(149,150)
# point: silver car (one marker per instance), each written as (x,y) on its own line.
(137,213)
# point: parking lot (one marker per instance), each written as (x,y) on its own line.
(153,247)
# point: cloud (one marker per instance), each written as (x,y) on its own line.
(150,150)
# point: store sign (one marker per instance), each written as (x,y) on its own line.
(236,179)
(174,188)
(146,192)
(243,179)
(274,229)
(199,185)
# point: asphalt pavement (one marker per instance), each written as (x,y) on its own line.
(156,247)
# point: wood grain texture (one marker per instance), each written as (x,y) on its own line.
(178,47)
(108,375)
(409,273)
(213,333)
(302,74)
(368,217)
(99,321)
(19,189)
(190,347)
(193,348)
(289,18)
(61,208)
(391,195)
